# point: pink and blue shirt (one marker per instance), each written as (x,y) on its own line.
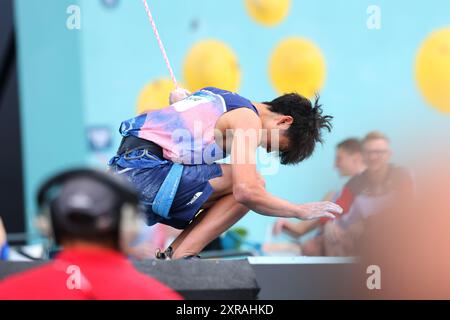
(186,129)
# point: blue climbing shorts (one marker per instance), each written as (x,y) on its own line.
(146,172)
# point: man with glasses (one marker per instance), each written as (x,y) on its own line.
(366,194)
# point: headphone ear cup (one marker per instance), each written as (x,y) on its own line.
(43,222)
(130,225)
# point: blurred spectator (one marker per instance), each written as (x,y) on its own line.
(95,217)
(409,241)
(348,162)
(366,194)
(4,248)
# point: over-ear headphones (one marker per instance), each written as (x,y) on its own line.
(109,203)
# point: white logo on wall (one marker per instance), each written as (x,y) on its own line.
(110,3)
(74,280)
(374,280)
(374,19)
(73,22)
(99,137)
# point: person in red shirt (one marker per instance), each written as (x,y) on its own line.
(94,217)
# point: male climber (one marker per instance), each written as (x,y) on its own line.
(169,155)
